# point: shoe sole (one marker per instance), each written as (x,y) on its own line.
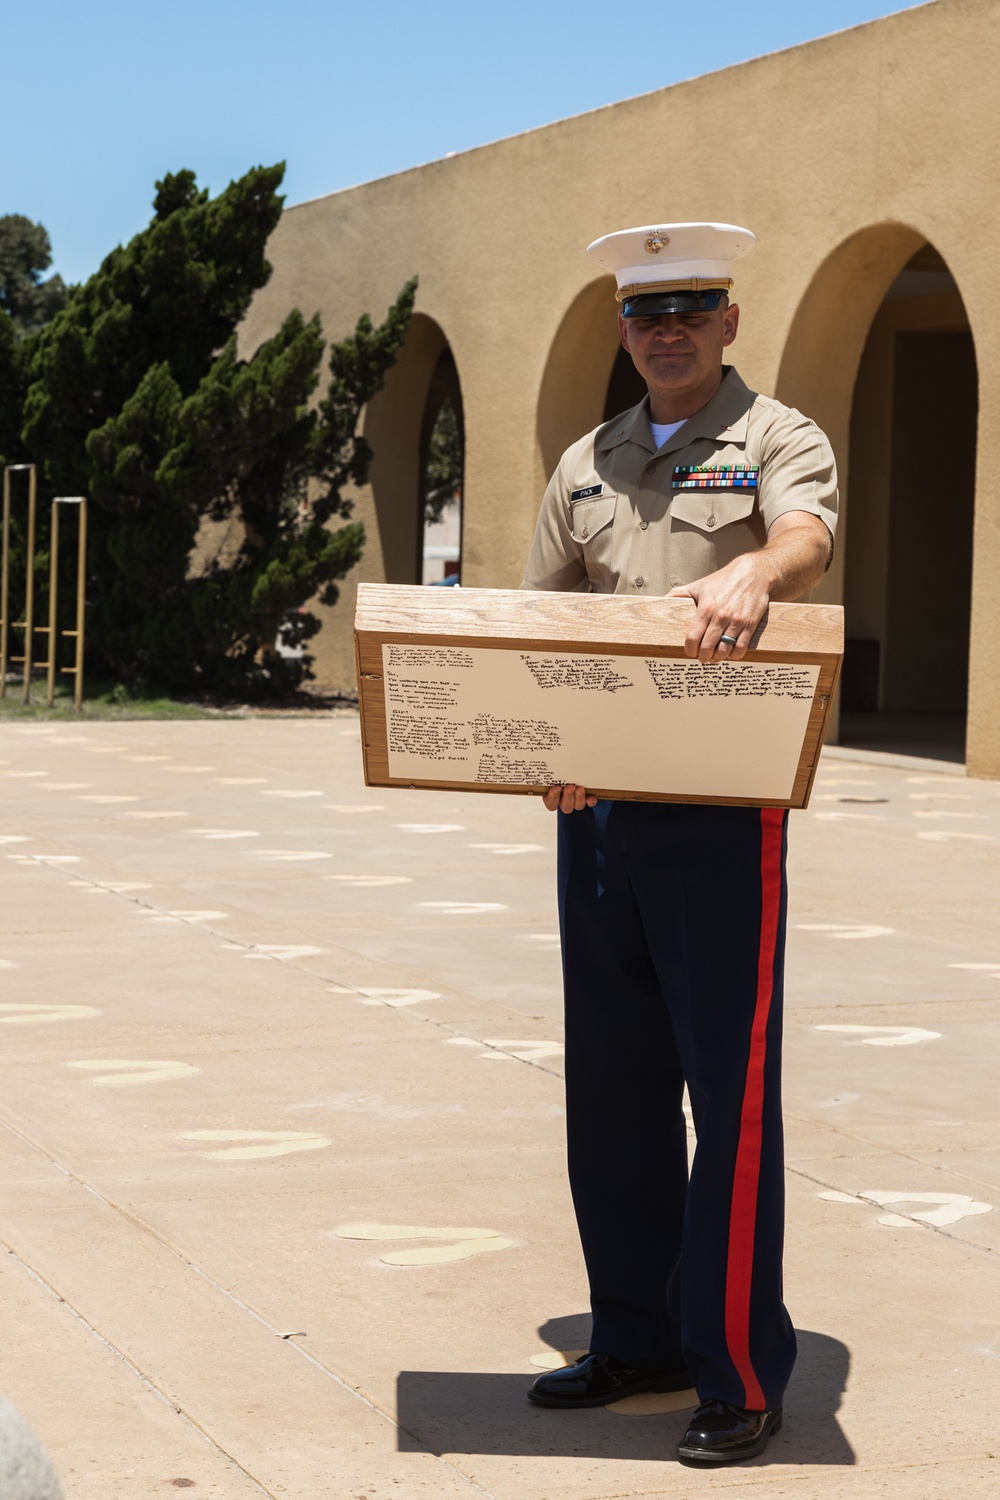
(661,1386)
(705,1458)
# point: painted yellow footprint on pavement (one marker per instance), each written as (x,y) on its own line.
(556,1359)
(654,1403)
(953,1207)
(886,1036)
(525,1051)
(29,1015)
(257,1143)
(119,1071)
(463,1242)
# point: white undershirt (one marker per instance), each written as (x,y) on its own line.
(661,432)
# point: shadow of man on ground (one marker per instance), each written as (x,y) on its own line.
(457,1412)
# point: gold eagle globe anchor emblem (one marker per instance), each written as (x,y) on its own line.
(657,241)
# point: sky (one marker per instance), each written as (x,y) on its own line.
(100,100)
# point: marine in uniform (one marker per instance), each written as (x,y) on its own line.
(672,915)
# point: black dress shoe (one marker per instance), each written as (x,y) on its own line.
(722,1434)
(599,1378)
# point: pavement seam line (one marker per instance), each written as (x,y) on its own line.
(956,1239)
(793,1014)
(872,1146)
(804,1015)
(130,1364)
(982,1182)
(443,1025)
(250,947)
(146,1228)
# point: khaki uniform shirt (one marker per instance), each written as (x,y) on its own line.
(613,522)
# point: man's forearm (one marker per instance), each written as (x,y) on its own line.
(794,561)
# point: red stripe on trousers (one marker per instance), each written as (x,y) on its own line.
(743,1211)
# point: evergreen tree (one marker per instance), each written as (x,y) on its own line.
(11,392)
(25,252)
(137,398)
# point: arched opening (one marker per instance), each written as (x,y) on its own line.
(880,355)
(442,464)
(908,544)
(404,426)
(573,396)
(626,386)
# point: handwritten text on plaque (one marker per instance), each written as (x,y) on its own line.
(531,718)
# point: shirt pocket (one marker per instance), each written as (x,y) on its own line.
(590,521)
(591,527)
(711,510)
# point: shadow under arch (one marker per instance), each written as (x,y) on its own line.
(880,353)
(397,425)
(822,352)
(830,325)
(574,385)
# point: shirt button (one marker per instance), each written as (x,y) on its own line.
(710,521)
(585,531)
(643,525)
(639,581)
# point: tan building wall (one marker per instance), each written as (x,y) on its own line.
(847,156)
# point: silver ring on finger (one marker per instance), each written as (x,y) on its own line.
(729,640)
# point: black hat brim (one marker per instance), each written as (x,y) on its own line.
(657,304)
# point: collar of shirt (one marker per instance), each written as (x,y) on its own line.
(725,417)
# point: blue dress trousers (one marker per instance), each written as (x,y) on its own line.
(673,925)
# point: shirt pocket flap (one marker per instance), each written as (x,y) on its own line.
(588,517)
(708,510)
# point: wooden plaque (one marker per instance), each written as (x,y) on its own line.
(502,690)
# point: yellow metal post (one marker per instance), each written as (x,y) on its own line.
(29,584)
(27,623)
(81,600)
(5,583)
(53,597)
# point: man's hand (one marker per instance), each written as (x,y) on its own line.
(568,798)
(732,602)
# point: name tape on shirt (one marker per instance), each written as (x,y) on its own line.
(714,477)
(587,494)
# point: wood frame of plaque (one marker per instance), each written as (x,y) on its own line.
(800,645)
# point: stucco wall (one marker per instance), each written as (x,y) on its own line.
(844,155)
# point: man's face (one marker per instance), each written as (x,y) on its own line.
(680,353)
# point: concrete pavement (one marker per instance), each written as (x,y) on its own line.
(284,1205)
